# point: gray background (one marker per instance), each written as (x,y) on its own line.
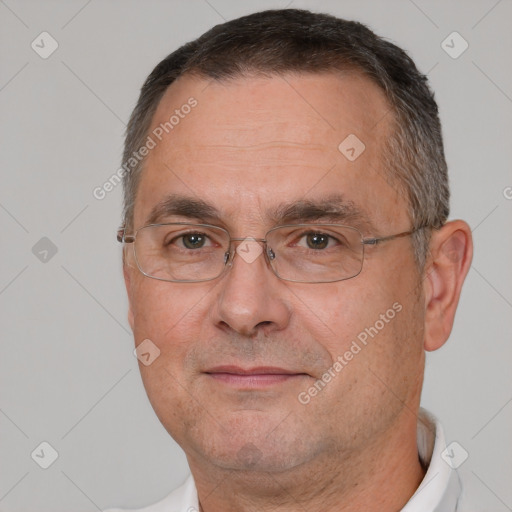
(68,375)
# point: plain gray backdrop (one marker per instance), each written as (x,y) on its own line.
(68,374)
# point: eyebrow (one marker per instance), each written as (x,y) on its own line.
(183,206)
(331,209)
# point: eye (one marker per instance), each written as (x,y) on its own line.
(193,240)
(316,240)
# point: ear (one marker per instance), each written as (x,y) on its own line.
(127,269)
(451,252)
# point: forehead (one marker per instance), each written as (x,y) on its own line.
(325,103)
(250,143)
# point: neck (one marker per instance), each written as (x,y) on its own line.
(387,473)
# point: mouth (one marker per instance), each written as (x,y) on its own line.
(253,378)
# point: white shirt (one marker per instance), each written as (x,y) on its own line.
(439,491)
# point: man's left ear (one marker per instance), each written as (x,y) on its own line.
(451,252)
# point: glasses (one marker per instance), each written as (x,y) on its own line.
(302,253)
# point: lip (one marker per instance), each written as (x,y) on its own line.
(259,370)
(251,378)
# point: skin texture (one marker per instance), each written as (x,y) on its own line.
(249,145)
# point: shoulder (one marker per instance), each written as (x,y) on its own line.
(182,499)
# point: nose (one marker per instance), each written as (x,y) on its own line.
(251,298)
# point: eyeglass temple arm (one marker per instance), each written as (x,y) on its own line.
(375,241)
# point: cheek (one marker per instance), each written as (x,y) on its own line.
(171,319)
(377,311)
(336,315)
(168,315)
(375,343)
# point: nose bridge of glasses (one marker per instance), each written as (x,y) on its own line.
(249,239)
(233,247)
(247,253)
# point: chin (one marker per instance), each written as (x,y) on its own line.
(250,458)
(251,446)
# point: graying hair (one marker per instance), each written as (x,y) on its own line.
(298,41)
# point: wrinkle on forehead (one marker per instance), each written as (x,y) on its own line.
(263,145)
(275,153)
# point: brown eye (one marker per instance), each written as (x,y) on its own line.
(193,240)
(317,240)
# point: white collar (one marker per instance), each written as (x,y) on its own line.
(440,489)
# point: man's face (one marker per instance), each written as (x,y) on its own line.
(248,147)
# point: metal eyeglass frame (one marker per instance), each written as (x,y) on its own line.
(122,237)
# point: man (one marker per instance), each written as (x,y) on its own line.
(288,262)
